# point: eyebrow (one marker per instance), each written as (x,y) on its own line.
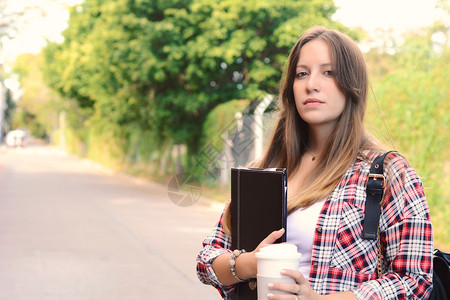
(322,66)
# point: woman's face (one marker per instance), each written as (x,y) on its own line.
(317,97)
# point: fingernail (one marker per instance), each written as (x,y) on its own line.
(269,295)
(270,285)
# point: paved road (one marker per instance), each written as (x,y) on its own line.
(71,230)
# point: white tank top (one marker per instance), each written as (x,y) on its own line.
(301,225)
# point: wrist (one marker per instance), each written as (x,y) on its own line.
(246,266)
(232,263)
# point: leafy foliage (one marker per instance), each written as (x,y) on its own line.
(162,66)
(413,96)
(9,112)
(35,109)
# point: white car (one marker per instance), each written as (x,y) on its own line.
(16,138)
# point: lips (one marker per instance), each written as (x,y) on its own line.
(312,101)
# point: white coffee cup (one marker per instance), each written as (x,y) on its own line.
(270,261)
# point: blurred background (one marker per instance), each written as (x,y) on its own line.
(156,89)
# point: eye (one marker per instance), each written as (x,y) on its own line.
(301,74)
(329,73)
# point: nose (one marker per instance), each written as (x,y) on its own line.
(313,83)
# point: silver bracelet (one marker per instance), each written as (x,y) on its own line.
(232,263)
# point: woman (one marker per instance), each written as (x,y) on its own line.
(320,139)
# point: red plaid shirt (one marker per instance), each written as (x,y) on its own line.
(341,259)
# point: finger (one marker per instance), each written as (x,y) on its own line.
(275,235)
(280,297)
(276,296)
(296,275)
(291,288)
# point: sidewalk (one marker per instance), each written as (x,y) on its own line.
(72,229)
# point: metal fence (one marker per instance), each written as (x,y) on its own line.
(240,146)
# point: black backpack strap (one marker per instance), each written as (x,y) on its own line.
(441,277)
(445,256)
(374,191)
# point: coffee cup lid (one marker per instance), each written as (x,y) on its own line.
(284,250)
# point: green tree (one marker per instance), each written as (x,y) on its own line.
(34,109)
(9,112)
(160,67)
(196,57)
(225,51)
(413,96)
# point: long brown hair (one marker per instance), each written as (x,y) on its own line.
(290,139)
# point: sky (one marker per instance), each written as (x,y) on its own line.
(49,22)
(46,21)
(372,14)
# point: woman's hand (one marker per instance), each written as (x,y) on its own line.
(299,290)
(269,240)
(250,258)
(245,263)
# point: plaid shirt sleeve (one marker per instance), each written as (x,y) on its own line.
(215,244)
(407,238)
(343,261)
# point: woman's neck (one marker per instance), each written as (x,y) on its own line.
(318,138)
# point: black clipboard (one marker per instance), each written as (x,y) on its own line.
(258,207)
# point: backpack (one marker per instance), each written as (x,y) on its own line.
(441,276)
(374,191)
